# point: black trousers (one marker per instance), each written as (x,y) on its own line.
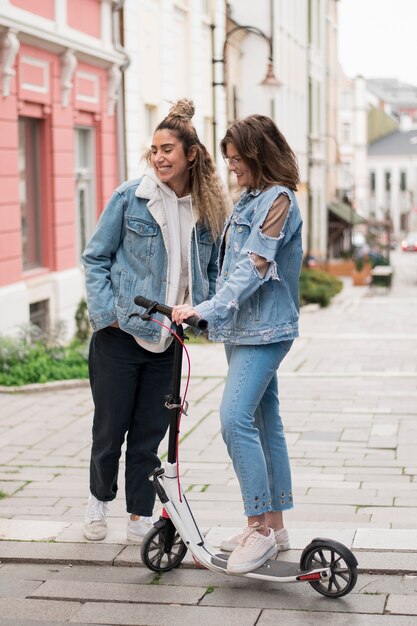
(128,385)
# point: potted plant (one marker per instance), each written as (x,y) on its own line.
(361,272)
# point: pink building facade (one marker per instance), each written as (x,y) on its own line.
(60,72)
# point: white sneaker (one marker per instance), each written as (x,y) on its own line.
(137,529)
(281,537)
(95,525)
(252,551)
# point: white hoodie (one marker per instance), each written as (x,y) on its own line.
(180,220)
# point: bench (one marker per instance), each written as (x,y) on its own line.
(381,276)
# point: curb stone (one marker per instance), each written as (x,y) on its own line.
(376,562)
(55,385)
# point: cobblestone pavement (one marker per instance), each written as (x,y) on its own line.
(348,394)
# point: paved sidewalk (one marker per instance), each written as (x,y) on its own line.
(58,594)
(348,394)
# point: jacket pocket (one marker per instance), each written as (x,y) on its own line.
(124,295)
(140,237)
(238,233)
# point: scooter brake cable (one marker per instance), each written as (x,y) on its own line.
(183,402)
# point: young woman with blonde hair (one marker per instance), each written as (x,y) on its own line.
(157,237)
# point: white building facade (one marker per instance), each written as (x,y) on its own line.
(183,48)
(392,171)
(352,138)
(171,44)
(286,23)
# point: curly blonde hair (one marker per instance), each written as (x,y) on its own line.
(207,190)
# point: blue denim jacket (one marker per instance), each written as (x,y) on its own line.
(128,256)
(249,308)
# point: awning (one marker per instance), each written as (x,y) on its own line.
(346,213)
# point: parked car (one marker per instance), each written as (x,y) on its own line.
(409,243)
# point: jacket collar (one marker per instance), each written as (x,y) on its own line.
(146,188)
(251,192)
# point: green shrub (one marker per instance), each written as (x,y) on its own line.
(37,357)
(22,364)
(359,262)
(378,259)
(318,287)
(82,322)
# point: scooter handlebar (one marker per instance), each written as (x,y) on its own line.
(195,321)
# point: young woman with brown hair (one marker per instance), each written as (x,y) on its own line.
(255,314)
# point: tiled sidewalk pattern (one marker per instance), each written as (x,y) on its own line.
(126,595)
(349,402)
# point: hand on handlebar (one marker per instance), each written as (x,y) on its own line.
(182,312)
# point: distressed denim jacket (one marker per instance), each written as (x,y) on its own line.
(128,255)
(249,308)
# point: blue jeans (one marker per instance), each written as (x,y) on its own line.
(252,428)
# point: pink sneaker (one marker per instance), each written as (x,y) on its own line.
(252,551)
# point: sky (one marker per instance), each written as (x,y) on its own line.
(378,38)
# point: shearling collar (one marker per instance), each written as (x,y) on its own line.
(146,187)
(150,183)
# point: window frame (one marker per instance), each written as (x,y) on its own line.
(41,160)
(85,181)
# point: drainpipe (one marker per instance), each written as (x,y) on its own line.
(309,141)
(118,43)
(272,18)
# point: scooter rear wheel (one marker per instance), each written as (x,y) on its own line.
(342,563)
(160,555)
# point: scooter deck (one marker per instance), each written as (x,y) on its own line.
(272,567)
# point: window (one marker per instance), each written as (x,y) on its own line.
(150,121)
(314,26)
(346,175)
(403,181)
(208,133)
(315,99)
(387,181)
(346,132)
(29,192)
(39,315)
(182,52)
(347,99)
(206,8)
(84,197)
(372,181)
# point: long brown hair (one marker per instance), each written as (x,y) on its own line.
(207,191)
(265,150)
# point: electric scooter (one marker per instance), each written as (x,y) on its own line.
(327,565)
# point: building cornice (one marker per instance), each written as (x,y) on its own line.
(59,42)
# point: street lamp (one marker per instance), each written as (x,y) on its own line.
(270,80)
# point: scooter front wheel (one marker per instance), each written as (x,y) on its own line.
(162,547)
(340,560)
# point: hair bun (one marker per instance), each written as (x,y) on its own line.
(183,109)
